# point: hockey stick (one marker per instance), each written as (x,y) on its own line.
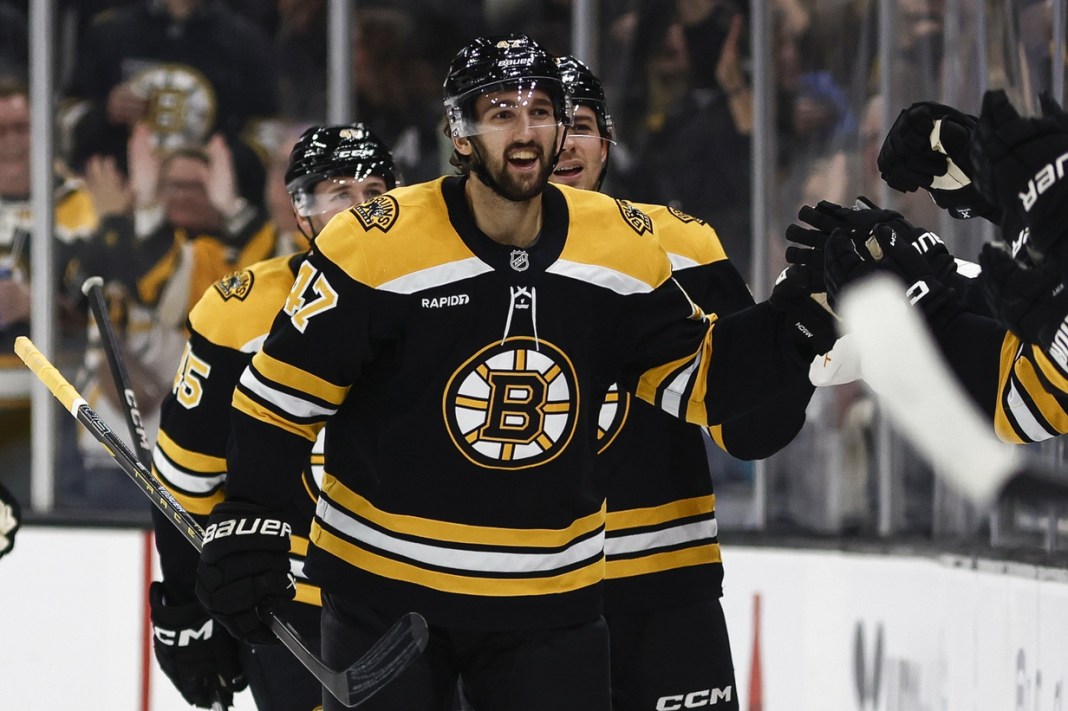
(386,659)
(912,382)
(93,289)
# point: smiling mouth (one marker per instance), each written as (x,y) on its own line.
(523,158)
(567,171)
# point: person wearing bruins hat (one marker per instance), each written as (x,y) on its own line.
(456,338)
(331,168)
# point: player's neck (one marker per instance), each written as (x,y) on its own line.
(505,221)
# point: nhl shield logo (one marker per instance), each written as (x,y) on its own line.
(235,285)
(638,220)
(520,260)
(380,212)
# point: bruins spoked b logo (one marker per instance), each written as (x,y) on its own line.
(512,405)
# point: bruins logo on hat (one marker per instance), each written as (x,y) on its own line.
(683,217)
(181,103)
(380,212)
(638,220)
(235,285)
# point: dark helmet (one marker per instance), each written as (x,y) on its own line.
(492,63)
(586,90)
(347,150)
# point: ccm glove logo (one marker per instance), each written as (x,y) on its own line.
(247,527)
(1043,180)
(185,637)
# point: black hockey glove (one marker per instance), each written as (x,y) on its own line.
(1027,301)
(852,256)
(929,147)
(1020,165)
(10,520)
(810,325)
(199,657)
(806,250)
(244,567)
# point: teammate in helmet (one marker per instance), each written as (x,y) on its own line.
(583,161)
(331,169)
(455,338)
(667,630)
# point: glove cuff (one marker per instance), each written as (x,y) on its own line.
(938,303)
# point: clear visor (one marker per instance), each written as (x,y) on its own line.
(507,106)
(584,126)
(334,195)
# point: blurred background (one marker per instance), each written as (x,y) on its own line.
(144,141)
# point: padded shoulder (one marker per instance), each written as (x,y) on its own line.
(606,233)
(237,311)
(688,240)
(394,235)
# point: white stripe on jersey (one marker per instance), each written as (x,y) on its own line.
(463,561)
(680,262)
(439,275)
(672,401)
(284,402)
(182,478)
(610,279)
(649,541)
(1032,430)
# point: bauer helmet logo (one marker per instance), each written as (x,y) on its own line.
(378,213)
(512,405)
(638,220)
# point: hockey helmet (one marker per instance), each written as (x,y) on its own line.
(586,90)
(494,64)
(341,152)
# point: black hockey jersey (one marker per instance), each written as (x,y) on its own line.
(462,379)
(662,545)
(1032,402)
(227,326)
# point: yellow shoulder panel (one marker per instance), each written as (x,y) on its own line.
(239,309)
(687,237)
(400,233)
(615,235)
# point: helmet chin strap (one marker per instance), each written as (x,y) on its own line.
(483,173)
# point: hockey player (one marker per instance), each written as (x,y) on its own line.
(459,337)
(331,169)
(664,574)
(1004,359)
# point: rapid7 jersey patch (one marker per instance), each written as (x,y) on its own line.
(299,307)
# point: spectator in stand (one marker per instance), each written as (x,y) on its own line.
(187,68)
(75,221)
(175,226)
(704,131)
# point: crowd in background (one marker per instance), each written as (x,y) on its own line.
(174,119)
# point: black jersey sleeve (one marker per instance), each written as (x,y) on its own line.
(707,369)
(317,346)
(719,288)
